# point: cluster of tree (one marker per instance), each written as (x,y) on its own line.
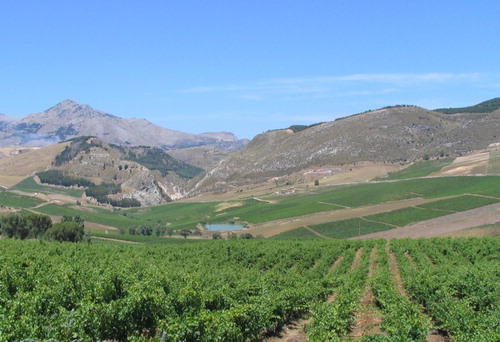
(483,107)
(232,236)
(18,226)
(29,127)
(148,231)
(64,131)
(100,193)
(69,229)
(124,202)
(57,177)
(157,159)
(35,226)
(77,145)
(298,128)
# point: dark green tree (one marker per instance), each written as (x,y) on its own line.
(185,233)
(217,236)
(38,224)
(14,226)
(66,231)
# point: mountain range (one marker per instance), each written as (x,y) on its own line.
(69,119)
(153,164)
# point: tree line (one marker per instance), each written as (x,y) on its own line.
(37,226)
(99,192)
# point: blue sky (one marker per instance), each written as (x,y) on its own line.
(246,66)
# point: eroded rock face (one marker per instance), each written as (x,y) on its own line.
(92,159)
(149,188)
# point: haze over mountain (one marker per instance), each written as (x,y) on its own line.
(70,119)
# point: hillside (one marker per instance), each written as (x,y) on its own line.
(70,119)
(392,135)
(144,174)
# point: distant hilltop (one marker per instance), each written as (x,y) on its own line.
(398,134)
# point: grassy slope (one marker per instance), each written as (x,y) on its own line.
(420,169)
(10,199)
(29,185)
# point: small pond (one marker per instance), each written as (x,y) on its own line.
(224,226)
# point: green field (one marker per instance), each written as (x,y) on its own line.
(420,169)
(348,228)
(257,211)
(29,185)
(99,215)
(375,193)
(460,203)
(248,290)
(180,215)
(336,230)
(9,199)
(405,216)
(299,233)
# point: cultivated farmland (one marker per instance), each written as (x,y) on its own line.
(250,290)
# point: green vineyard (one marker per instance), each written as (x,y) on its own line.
(248,290)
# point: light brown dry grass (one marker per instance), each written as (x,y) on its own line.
(473,164)
(24,164)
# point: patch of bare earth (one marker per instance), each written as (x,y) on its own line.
(294,331)
(368,317)
(487,230)
(227,205)
(449,225)
(476,163)
(357,259)
(100,227)
(434,335)
(336,262)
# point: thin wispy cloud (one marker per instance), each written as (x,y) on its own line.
(323,84)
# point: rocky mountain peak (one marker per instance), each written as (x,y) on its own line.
(70,119)
(70,109)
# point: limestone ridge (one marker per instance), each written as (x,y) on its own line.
(392,135)
(70,119)
(144,174)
